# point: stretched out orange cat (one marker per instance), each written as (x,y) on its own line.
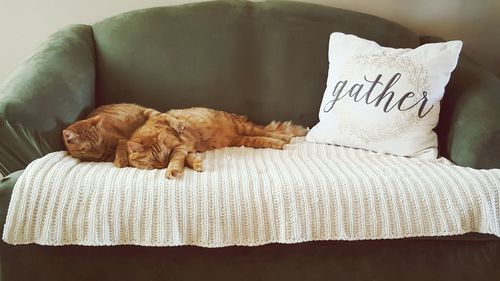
(103,135)
(203,129)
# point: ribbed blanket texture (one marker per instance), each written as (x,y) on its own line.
(252,197)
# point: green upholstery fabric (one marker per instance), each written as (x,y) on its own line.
(6,186)
(469,122)
(471,117)
(409,260)
(50,90)
(267,60)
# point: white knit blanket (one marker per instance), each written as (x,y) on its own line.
(252,197)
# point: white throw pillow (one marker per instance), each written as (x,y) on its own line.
(384,99)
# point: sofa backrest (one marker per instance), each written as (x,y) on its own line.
(267,60)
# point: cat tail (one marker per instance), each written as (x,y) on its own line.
(286,127)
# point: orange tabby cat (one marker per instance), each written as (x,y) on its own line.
(103,135)
(157,145)
(206,129)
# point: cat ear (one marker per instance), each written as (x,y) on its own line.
(97,120)
(69,136)
(135,146)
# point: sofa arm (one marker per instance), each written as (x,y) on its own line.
(469,122)
(50,90)
(6,188)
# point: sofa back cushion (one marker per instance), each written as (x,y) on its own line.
(268,60)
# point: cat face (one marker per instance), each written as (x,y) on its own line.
(86,140)
(152,151)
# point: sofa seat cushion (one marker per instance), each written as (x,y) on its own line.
(252,197)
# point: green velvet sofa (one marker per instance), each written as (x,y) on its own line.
(267,60)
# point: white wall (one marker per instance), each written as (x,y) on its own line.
(24,24)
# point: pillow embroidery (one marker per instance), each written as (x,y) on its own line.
(384,99)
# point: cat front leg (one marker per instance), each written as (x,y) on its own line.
(177,161)
(121,155)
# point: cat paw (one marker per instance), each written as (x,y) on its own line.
(286,138)
(173,122)
(179,127)
(121,162)
(198,165)
(279,144)
(172,173)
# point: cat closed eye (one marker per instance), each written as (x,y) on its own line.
(86,148)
